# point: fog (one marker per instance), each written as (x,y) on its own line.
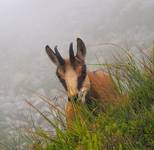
(26,26)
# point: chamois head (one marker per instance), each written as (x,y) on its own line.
(71,72)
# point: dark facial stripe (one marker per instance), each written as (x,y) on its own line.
(62,81)
(82,77)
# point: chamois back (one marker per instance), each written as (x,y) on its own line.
(101,86)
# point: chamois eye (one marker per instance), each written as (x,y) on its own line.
(61,78)
(61,73)
(79,69)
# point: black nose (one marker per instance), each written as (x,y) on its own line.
(73,98)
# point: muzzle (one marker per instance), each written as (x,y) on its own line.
(74,98)
(80,97)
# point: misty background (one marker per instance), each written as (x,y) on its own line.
(27,26)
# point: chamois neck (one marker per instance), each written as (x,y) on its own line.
(85,89)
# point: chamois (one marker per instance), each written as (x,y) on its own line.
(77,81)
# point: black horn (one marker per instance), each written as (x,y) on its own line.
(59,57)
(71,53)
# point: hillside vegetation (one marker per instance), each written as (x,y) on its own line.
(127,124)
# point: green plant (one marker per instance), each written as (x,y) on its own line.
(127,124)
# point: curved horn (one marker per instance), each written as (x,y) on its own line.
(71,53)
(59,57)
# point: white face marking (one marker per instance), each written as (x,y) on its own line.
(71,81)
(70,76)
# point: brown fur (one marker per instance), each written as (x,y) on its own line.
(70,113)
(73,74)
(101,89)
(101,86)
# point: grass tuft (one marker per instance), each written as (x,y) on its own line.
(127,124)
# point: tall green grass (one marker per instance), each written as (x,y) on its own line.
(127,124)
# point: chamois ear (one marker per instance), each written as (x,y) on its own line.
(81,49)
(52,55)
